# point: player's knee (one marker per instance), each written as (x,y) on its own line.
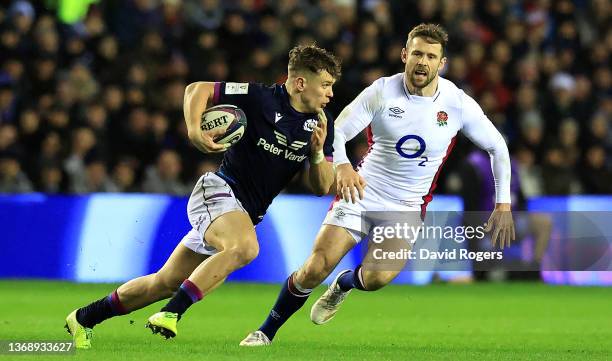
(250,252)
(376,280)
(244,252)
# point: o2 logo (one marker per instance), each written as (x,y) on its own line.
(422,146)
(404,139)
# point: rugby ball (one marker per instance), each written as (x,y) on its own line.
(227,117)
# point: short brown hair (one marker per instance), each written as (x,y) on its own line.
(314,59)
(432,33)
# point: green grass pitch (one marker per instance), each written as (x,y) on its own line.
(438,322)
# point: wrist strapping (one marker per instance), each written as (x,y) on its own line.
(317,158)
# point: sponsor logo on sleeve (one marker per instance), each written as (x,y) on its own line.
(236,88)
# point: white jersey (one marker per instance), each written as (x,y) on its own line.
(411,136)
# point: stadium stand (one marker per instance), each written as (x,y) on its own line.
(91,91)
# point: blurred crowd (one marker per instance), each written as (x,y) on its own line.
(91,96)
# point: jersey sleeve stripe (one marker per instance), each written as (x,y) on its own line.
(370,145)
(429,196)
(217,94)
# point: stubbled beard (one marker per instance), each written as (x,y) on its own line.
(419,88)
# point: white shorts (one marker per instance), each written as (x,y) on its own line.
(350,216)
(211,198)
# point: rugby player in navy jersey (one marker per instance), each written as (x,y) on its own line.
(286,125)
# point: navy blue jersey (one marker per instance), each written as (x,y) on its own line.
(274,147)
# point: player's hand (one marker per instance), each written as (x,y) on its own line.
(349,184)
(204,140)
(502,226)
(319,134)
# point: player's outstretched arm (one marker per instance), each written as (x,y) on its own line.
(321,173)
(353,119)
(198,96)
(349,184)
(479,129)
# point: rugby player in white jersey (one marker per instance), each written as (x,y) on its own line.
(412,119)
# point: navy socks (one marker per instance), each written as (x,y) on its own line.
(351,279)
(290,299)
(187,295)
(100,310)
